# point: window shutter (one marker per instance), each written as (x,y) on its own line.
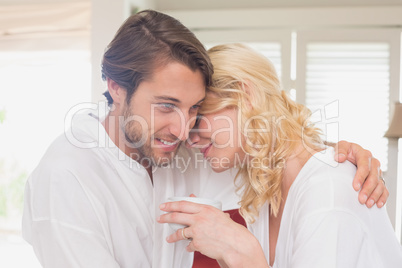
(349,82)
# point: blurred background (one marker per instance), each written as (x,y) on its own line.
(341,58)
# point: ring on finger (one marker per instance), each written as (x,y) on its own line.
(183,234)
(382,179)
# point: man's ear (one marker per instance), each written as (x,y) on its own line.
(117,93)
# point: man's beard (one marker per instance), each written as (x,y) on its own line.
(138,139)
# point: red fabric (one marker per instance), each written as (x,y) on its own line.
(202,261)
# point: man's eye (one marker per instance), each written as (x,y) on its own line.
(196,107)
(166,106)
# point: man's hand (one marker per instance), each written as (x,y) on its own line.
(368,173)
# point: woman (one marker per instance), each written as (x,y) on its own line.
(296,199)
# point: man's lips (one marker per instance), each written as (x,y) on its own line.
(166,145)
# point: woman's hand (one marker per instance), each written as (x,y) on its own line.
(368,175)
(213,233)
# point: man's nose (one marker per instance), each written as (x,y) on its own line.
(180,126)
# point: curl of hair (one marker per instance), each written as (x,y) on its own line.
(273,124)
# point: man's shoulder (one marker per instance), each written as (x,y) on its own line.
(64,159)
(63,152)
(82,139)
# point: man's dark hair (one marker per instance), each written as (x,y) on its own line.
(146,41)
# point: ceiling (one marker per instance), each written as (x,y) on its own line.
(37,1)
(220,4)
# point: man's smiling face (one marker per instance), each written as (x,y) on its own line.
(162,111)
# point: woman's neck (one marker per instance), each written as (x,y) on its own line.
(293,166)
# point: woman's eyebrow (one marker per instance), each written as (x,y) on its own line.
(201,100)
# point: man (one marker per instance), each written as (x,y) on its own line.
(93,200)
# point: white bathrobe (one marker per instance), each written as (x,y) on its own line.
(89,205)
(324,225)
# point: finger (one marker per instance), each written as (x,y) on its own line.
(180,234)
(375,195)
(383,199)
(181,206)
(190,247)
(355,151)
(365,168)
(341,151)
(370,185)
(193,195)
(176,217)
(363,175)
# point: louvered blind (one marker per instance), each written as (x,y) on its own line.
(271,50)
(349,83)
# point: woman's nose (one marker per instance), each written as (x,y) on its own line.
(193,138)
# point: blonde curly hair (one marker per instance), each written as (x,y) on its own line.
(272,124)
